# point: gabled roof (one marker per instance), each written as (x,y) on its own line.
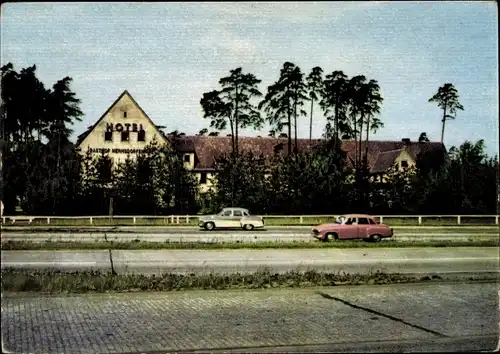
(381,154)
(385,160)
(208,148)
(82,137)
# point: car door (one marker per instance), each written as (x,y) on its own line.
(236,219)
(226,219)
(362,227)
(350,229)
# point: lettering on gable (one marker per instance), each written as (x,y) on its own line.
(114,151)
(119,127)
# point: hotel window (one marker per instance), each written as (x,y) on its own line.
(404,164)
(141,135)
(125,136)
(108,136)
(187,158)
(203,178)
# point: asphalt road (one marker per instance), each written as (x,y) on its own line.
(193,234)
(191,229)
(399,318)
(474,260)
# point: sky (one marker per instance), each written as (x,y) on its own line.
(168,54)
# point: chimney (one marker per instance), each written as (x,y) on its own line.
(406,141)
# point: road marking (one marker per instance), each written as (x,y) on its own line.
(47,263)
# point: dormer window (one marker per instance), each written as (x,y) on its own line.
(404,164)
(187,158)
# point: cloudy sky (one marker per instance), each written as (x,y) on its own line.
(168,54)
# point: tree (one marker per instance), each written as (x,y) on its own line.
(314,85)
(321,177)
(299,91)
(399,194)
(447,99)
(373,100)
(334,103)
(233,104)
(357,111)
(35,125)
(284,100)
(63,108)
(473,174)
(240,182)
(423,138)
(203,132)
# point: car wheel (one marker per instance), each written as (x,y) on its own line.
(331,236)
(209,226)
(375,238)
(248,227)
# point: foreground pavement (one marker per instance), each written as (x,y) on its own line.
(473,260)
(415,317)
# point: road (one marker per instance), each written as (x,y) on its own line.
(391,260)
(193,234)
(398,318)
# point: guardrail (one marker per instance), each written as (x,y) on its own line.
(269,219)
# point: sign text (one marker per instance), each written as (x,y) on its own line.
(119,127)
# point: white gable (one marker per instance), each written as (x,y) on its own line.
(123,120)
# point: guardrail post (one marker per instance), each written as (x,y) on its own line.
(301,219)
(187,219)
(30,220)
(48,220)
(172,219)
(458,220)
(496,220)
(135,220)
(4,219)
(90,219)
(420,220)
(177,219)
(381,219)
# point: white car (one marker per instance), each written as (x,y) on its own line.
(231,218)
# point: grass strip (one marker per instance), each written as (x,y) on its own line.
(53,282)
(145,245)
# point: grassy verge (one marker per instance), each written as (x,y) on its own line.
(307,221)
(159,229)
(95,281)
(142,245)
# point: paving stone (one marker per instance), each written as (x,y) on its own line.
(139,322)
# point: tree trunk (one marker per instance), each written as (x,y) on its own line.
(444,121)
(232,137)
(289,130)
(295,148)
(336,123)
(367,136)
(311,122)
(360,136)
(236,122)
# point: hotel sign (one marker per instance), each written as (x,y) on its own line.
(119,127)
(114,151)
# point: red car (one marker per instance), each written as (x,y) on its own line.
(352,226)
